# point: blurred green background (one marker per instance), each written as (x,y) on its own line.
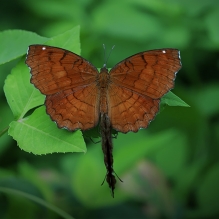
(178,176)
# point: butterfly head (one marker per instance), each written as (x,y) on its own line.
(104,69)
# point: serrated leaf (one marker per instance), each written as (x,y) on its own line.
(14,43)
(39,135)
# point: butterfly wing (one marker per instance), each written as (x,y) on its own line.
(69,83)
(137,85)
(130,111)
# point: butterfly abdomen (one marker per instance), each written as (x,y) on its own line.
(107,147)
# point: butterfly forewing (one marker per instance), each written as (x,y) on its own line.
(69,83)
(137,84)
(150,73)
(54,69)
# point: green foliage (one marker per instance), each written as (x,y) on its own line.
(37,133)
(13,44)
(20,94)
(169,170)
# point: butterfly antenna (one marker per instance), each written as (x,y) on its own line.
(104,50)
(106,58)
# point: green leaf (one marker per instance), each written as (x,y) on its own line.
(20,93)
(39,135)
(68,40)
(5,118)
(14,43)
(172,100)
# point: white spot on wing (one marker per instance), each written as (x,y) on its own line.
(28,50)
(163,51)
(44,48)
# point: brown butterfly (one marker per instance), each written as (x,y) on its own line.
(125,99)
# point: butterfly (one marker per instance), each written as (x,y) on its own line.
(126,98)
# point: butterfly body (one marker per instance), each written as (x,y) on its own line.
(125,99)
(103,83)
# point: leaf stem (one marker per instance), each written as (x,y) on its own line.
(37,200)
(4,131)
